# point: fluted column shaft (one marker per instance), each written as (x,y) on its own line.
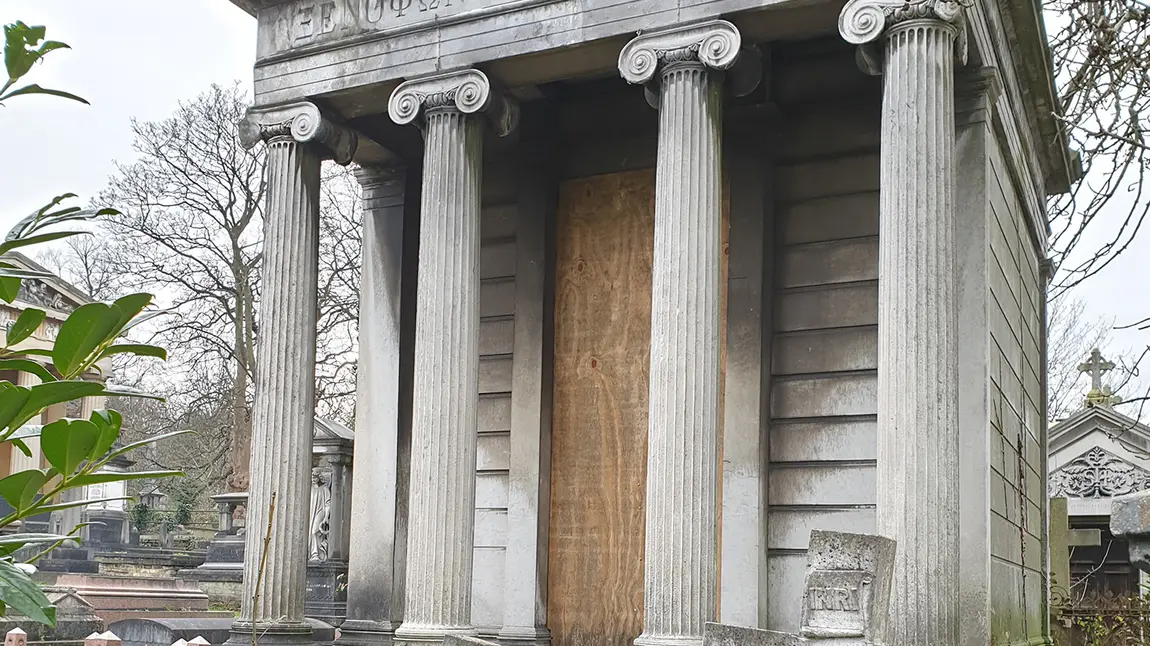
(283,418)
(918,341)
(914,47)
(681,560)
(442,504)
(679,582)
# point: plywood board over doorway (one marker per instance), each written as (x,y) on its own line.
(604,242)
(604,248)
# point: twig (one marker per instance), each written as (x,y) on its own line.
(263,562)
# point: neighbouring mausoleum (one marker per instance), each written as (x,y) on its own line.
(1097,454)
(650,291)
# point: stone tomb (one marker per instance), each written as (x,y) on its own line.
(326,595)
(846,596)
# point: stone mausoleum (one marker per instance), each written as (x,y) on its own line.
(651,290)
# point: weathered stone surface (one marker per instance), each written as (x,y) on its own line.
(680,558)
(848,586)
(723,635)
(1130,520)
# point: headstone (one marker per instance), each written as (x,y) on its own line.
(845,599)
(222,572)
(75,618)
(1130,521)
(107,522)
(328,538)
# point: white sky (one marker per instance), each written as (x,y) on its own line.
(139,58)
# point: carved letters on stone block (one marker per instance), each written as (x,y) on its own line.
(1098,474)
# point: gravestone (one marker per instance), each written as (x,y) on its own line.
(222,572)
(328,539)
(845,598)
(75,619)
(1130,521)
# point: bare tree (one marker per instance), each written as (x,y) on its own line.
(190,231)
(1071,336)
(1101,51)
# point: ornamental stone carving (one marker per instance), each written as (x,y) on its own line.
(715,45)
(468,91)
(863,22)
(304,123)
(1098,474)
(319,527)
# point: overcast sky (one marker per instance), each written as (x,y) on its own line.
(139,58)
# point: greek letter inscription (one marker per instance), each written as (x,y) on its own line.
(314,20)
(843,599)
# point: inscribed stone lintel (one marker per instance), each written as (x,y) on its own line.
(308,23)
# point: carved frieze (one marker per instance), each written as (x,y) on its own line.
(1098,474)
(40,294)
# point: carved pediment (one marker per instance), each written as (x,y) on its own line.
(41,294)
(1098,474)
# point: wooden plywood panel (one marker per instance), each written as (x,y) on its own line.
(605,234)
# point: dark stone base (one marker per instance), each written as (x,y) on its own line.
(228,549)
(357,632)
(66,629)
(311,632)
(326,595)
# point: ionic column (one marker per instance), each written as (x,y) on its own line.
(375,568)
(681,71)
(441,513)
(298,138)
(914,48)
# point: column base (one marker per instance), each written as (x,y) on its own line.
(668,640)
(423,634)
(361,632)
(524,636)
(307,633)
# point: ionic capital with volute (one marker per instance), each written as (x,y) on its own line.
(864,22)
(303,123)
(468,91)
(715,45)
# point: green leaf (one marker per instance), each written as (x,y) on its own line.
(12,401)
(9,285)
(39,239)
(45,509)
(36,89)
(129,307)
(108,422)
(54,392)
(22,446)
(18,59)
(22,594)
(31,538)
(67,443)
(24,365)
(19,489)
(123,391)
(145,442)
(25,325)
(85,329)
(138,349)
(99,478)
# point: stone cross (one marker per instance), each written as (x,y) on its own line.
(845,599)
(1098,395)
